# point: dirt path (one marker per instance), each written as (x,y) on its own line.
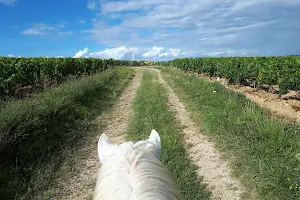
(79,183)
(214,170)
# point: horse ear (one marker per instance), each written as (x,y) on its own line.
(103,143)
(103,140)
(155,138)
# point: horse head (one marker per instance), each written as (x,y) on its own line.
(133,171)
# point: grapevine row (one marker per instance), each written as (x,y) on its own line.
(18,72)
(283,71)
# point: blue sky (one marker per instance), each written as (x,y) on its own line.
(149,29)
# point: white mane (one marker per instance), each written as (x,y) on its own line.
(131,171)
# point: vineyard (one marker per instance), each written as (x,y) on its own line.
(23,74)
(39,134)
(36,74)
(283,71)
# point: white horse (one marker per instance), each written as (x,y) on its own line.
(132,171)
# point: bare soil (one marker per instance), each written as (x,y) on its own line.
(213,168)
(279,107)
(76,178)
(286,107)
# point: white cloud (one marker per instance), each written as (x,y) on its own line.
(119,6)
(92,5)
(81,53)
(61,25)
(132,53)
(33,31)
(10,55)
(154,52)
(8,2)
(81,21)
(64,33)
(202,27)
(42,29)
(120,53)
(39,29)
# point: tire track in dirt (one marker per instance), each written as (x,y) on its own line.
(82,178)
(214,170)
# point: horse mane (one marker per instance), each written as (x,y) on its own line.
(133,172)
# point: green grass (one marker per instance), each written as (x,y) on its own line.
(152,112)
(266,152)
(35,132)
